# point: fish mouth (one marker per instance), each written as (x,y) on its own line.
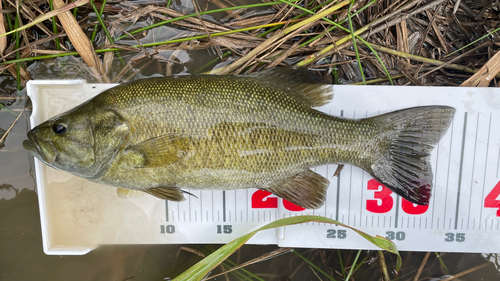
(42,150)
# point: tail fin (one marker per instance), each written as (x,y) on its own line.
(410,135)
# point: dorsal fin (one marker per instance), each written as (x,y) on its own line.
(298,82)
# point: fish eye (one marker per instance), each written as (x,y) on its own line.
(59,128)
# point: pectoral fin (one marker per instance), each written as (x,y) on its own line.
(307,189)
(167,193)
(163,150)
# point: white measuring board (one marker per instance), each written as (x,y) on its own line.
(463,214)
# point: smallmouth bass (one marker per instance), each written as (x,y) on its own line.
(160,135)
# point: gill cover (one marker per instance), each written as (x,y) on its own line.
(83,141)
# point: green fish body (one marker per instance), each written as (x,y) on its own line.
(162,135)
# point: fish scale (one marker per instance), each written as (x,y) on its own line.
(160,135)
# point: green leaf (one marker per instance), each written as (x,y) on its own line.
(202,268)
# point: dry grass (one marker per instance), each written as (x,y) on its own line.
(414,39)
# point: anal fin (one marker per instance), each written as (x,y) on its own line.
(128,193)
(167,193)
(307,189)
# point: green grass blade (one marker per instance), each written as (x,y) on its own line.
(228,264)
(442,263)
(314,266)
(473,42)
(161,23)
(8,110)
(99,18)
(202,268)
(342,269)
(18,66)
(54,26)
(99,14)
(353,265)
(353,36)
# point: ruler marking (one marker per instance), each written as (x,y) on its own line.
(212,205)
(338,184)
(166,210)
(361,205)
(247,203)
(460,170)
(195,216)
(448,176)
(184,213)
(350,186)
(397,212)
(349,205)
(178,211)
(189,204)
(473,169)
(435,184)
(224,206)
(326,199)
(201,205)
(484,175)
(498,161)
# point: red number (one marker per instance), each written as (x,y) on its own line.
(383,201)
(491,200)
(413,209)
(260,200)
(292,207)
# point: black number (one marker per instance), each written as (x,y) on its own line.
(400,235)
(450,237)
(332,233)
(227,229)
(460,237)
(169,229)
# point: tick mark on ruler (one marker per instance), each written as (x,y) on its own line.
(484,175)
(448,175)
(166,210)
(460,171)
(338,185)
(224,206)
(472,175)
